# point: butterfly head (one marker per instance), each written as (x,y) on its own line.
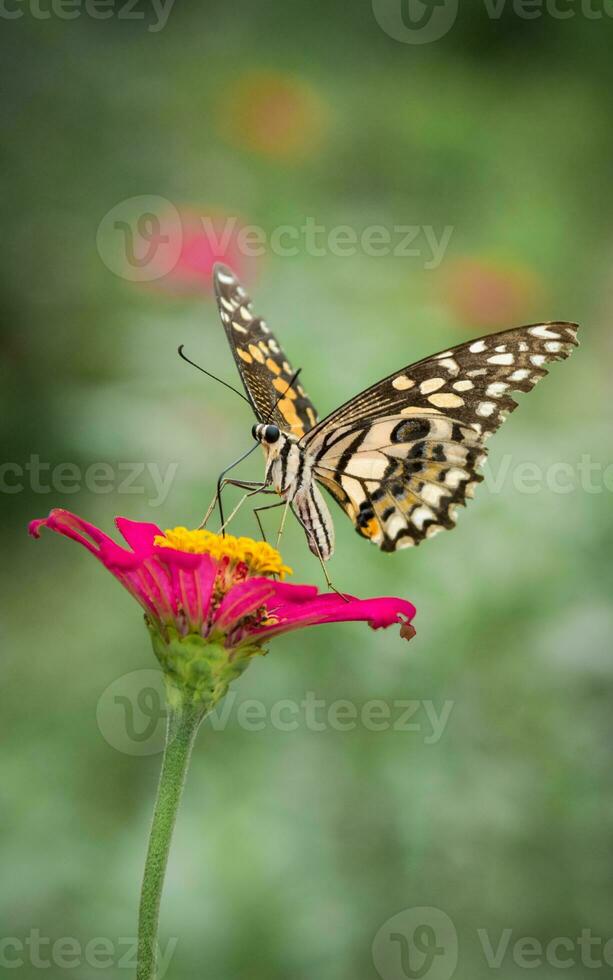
(267,435)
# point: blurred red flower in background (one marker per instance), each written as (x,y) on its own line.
(273,114)
(487,293)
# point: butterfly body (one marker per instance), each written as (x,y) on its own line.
(400,457)
(289,470)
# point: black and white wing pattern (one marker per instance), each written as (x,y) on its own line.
(400,457)
(264,369)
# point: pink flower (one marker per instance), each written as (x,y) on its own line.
(199,589)
(200,237)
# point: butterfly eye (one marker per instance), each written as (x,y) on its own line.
(272,433)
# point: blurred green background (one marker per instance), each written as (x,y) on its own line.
(294,848)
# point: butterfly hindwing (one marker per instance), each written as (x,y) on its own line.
(262,365)
(401,456)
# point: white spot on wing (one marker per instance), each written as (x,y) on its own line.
(433,384)
(432,493)
(368,467)
(402,383)
(545,332)
(420,515)
(455,476)
(501,359)
(452,366)
(395,524)
(496,389)
(444,400)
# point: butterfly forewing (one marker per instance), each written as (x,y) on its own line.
(263,367)
(401,456)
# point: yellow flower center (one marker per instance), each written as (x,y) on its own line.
(259,557)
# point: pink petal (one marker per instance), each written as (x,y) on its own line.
(242,600)
(172,556)
(91,537)
(295,611)
(138,534)
(149,583)
(192,584)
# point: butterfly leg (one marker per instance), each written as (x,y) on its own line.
(282,525)
(257,511)
(260,488)
(327,577)
(244,485)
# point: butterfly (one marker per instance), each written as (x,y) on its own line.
(403,455)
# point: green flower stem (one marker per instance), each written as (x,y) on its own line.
(184,717)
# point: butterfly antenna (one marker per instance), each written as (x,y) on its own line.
(209,375)
(220,480)
(290,385)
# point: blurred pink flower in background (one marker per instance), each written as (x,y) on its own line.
(273,114)
(486,293)
(207,235)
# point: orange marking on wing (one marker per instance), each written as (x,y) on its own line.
(370,529)
(281,385)
(244,356)
(288,411)
(272,366)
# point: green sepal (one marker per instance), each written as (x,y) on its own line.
(201,668)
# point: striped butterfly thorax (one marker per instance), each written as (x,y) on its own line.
(401,456)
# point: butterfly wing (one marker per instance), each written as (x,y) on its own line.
(264,369)
(400,457)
